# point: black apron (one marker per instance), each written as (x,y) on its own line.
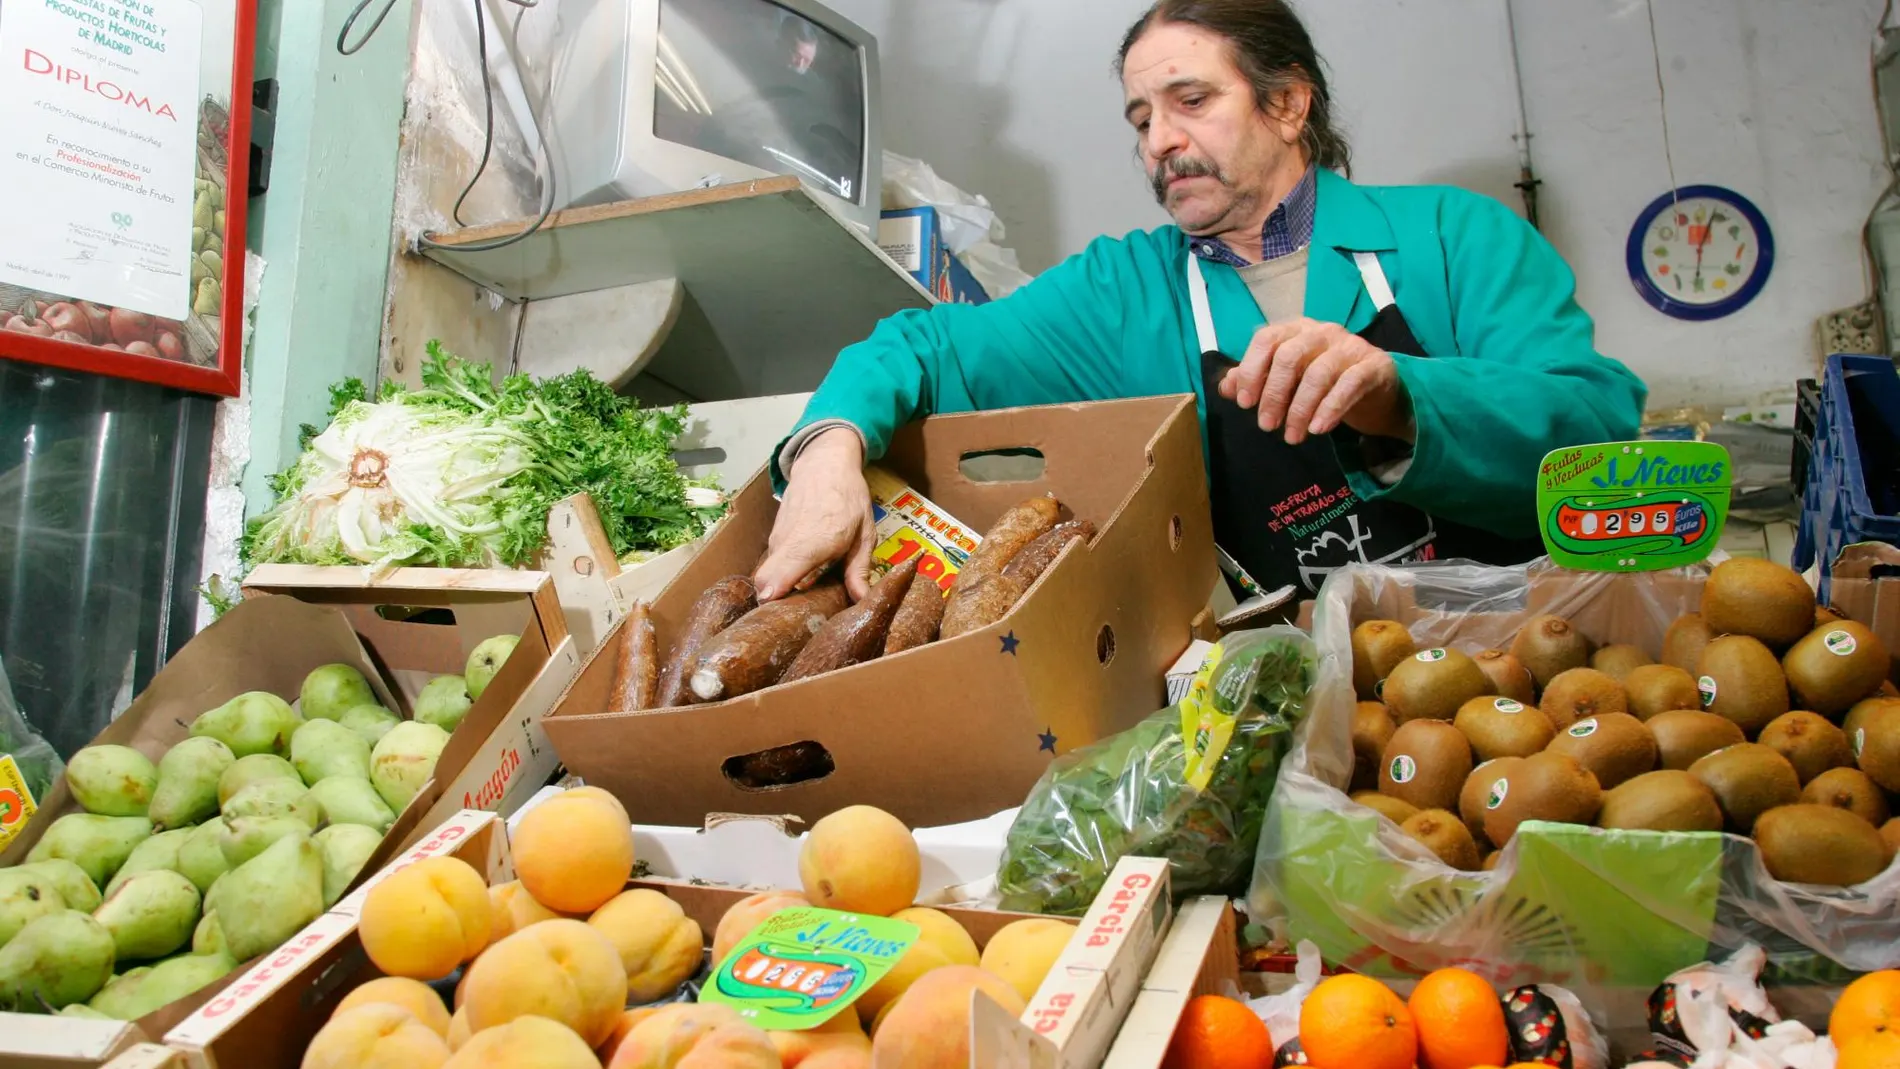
(1285,515)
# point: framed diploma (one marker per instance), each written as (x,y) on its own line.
(124,160)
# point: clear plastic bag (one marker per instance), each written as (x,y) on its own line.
(1189,783)
(970,226)
(38,762)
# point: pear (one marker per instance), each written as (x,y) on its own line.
(332,689)
(267,899)
(275,798)
(324,748)
(486,661)
(246,837)
(201,858)
(25,897)
(98,845)
(112,781)
(85,1012)
(208,938)
(188,782)
(346,849)
(371,722)
(150,915)
(144,991)
(353,800)
(55,961)
(254,769)
(405,760)
(71,881)
(254,722)
(158,852)
(444,701)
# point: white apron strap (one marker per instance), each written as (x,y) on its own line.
(1204,335)
(1374,277)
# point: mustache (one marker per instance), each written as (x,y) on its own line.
(1184,167)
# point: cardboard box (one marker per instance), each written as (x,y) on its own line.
(959,729)
(1200,956)
(1866,588)
(148,1056)
(1082,1001)
(36,1041)
(913,239)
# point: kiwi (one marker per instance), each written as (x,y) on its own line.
(1491,860)
(1890,831)
(1809,742)
(1825,614)
(1372,728)
(1683,642)
(1425,764)
(1887,690)
(1547,786)
(1748,779)
(1820,844)
(1445,835)
(1664,800)
(1849,789)
(1760,599)
(1509,677)
(1503,727)
(1548,646)
(1658,688)
(1477,791)
(1619,661)
(1579,693)
(1858,716)
(1876,745)
(1432,684)
(1377,647)
(1615,747)
(1386,806)
(1684,736)
(1835,666)
(1741,681)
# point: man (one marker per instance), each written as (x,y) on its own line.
(1409,353)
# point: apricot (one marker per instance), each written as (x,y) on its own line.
(527,1042)
(459,1034)
(929,1027)
(628,1018)
(598,794)
(860,859)
(944,942)
(512,908)
(562,970)
(695,1035)
(573,852)
(746,914)
(412,995)
(660,946)
(1024,952)
(376,1035)
(426,919)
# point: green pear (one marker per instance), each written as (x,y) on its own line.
(246,837)
(188,782)
(201,858)
(444,701)
(253,769)
(112,781)
(208,938)
(143,991)
(275,798)
(98,845)
(267,899)
(71,881)
(150,915)
(256,722)
(24,897)
(372,722)
(346,849)
(158,852)
(324,748)
(486,661)
(55,961)
(85,1012)
(404,761)
(353,800)
(330,690)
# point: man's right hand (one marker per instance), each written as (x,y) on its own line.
(824,516)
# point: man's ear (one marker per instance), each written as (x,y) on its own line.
(1287,111)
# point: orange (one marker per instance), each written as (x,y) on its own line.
(1355,1022)
(1870,1004)
(1872,1050)
(1219,1033)
(1460,1021)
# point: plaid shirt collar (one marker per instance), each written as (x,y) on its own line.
(1289,228)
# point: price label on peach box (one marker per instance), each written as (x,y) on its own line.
(803,966)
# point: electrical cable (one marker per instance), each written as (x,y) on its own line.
(1662,99)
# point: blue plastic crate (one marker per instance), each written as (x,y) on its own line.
(1852,492)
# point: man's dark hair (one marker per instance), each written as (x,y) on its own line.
(1272,49)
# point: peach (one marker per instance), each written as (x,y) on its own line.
(944,942)
(528,1042)
(628,1018)
(929,1027)
(1024,952)
(426,919)
(687,1035)
(747,914)
(860,859)
(839,1056)
(376,1035)
(598,794)
(573,852)
(459,1034)
(659,944)
(412,995)
(799,1049)
(512,908)
(562,970)
(878,1021)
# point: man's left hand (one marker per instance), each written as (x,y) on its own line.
(1310,377)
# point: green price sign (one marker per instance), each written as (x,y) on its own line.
(803,965)
(1633,506)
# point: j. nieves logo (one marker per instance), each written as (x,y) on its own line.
(1660,471)
(37,63)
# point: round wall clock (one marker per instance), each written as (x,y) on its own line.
(1700,252)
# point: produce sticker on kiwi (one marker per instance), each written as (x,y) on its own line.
(803,966)
(1508,706)
(1633,506)
(16,801)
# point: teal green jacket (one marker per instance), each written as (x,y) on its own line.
(1512,373)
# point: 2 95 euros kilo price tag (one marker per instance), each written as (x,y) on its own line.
(1633,506)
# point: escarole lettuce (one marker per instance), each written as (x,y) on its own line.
(462,473)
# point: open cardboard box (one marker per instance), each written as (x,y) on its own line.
(1865,586)
(959,729)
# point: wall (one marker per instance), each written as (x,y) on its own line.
(1015,99)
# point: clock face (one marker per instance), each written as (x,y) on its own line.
(1700,252)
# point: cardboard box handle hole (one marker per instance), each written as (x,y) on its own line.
(417,614)
(779,766)
(1016,464)
(693,458)
(1174,533)
(1105,645)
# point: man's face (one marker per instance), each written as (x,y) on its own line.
(1208,147)
(804,54)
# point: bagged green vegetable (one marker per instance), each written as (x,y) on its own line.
(1189,783)
(26,760)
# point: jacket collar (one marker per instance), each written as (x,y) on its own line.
(1348,221)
